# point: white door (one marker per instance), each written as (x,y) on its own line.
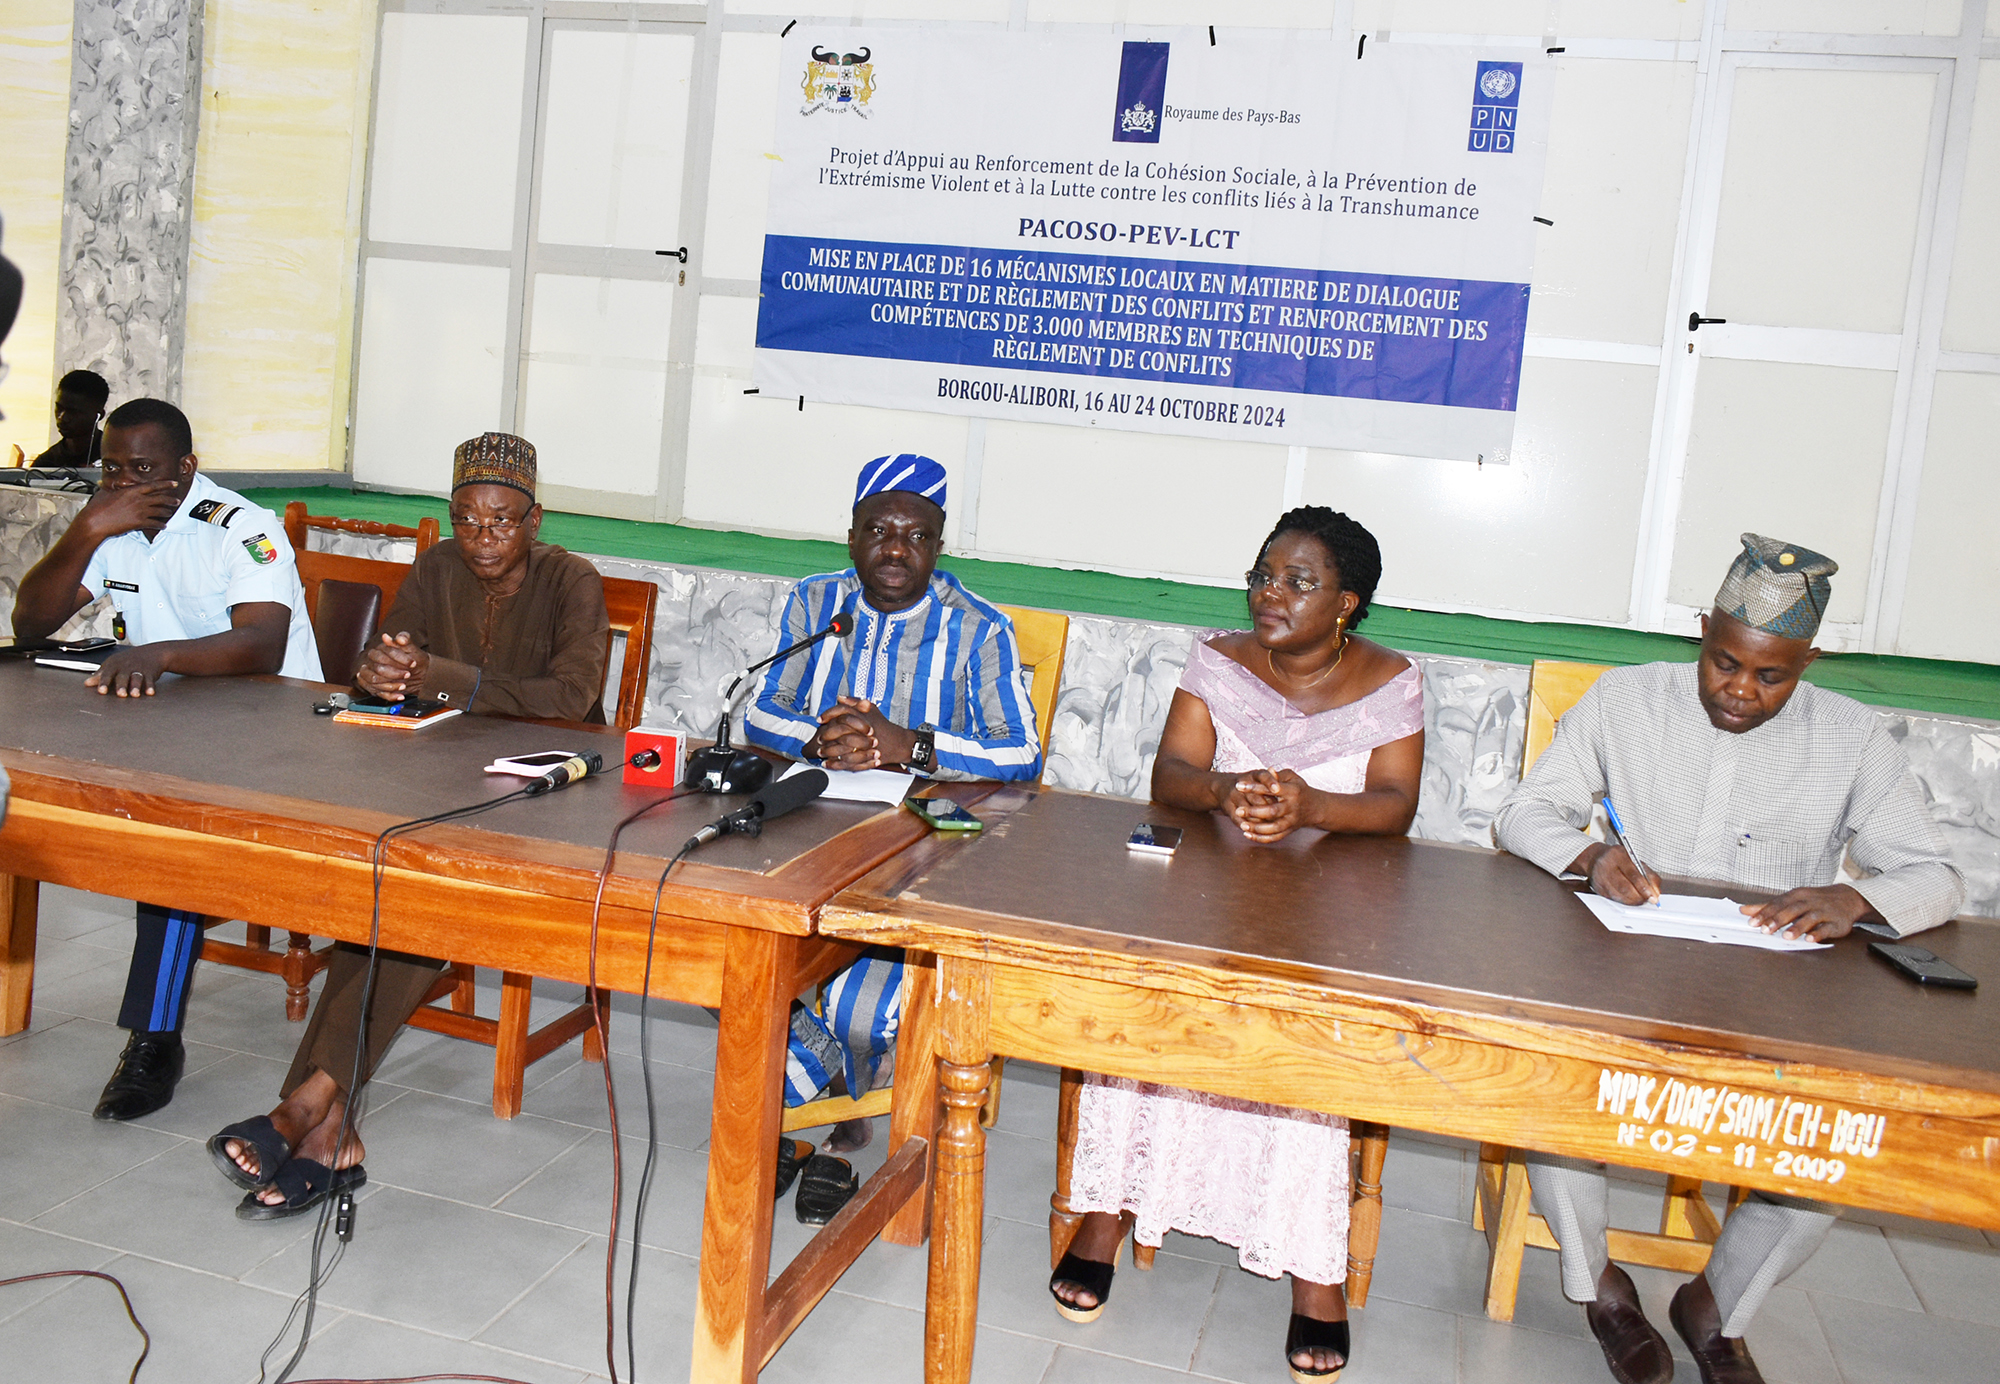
(1800,318)
(522,252)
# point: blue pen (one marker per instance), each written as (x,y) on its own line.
(1625,840)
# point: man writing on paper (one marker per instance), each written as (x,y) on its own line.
(1731,770)
(930,681)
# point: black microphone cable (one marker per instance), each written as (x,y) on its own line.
(308,1301)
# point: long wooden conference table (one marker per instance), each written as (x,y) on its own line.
(1426,986)
(229,796)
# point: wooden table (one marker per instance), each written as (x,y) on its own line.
(1429,986)
(228,796)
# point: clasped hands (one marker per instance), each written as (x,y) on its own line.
(1267,804)
(854,734)
(393,669)
(1821,913)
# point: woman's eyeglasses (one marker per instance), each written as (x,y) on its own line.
(1257,581)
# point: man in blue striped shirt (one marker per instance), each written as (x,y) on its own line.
(931,681)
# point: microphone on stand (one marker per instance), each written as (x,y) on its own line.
(772,802)
(722,768)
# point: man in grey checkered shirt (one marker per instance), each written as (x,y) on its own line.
(1732,770)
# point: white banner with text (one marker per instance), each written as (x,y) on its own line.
(1274,239)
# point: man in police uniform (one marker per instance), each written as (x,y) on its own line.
(204,584)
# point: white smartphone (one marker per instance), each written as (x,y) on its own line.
(530,765)
(1148,839)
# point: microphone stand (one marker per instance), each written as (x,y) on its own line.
(722,768)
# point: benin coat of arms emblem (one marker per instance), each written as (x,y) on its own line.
(839,82)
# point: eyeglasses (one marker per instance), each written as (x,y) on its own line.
(499,528)
(1257,581)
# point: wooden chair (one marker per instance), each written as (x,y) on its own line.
(631,606)
(298,963)
(1042,638)
(297,521)
(1503,1206)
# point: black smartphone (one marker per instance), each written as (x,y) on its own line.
(1922,966)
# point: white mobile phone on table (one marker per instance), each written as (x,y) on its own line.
(1148,839)
(530,765)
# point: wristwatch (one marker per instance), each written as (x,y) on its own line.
(923,754)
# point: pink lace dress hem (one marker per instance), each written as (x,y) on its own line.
(1271,1181)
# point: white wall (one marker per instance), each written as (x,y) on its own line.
(1848,404)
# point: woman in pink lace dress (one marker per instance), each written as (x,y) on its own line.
(1296,724)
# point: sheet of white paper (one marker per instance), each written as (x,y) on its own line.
(867,786)
(1692,919)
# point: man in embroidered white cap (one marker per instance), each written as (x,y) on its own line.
(1730,769)
(930,681)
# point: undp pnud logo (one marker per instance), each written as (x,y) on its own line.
(1496,106)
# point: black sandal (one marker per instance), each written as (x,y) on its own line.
(306,1183)
(1091,1275)
(792,1155)
(826,1184)
(1310,1333)
(260,1134)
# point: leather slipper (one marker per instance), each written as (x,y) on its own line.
(306,1184)
(260,1134)
(826,1184)
(792,1155)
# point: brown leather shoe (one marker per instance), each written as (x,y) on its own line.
(1636,1353)
(1721,1359)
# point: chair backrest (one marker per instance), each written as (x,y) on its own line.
(315,568)
(297,521)
(345,616)
(1553,688)
(1042,636)
(630,605)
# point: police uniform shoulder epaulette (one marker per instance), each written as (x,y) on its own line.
(216,512)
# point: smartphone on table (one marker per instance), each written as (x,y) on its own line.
(944,814)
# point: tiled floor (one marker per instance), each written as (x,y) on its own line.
(480,1244)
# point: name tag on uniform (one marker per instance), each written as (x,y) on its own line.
(110,585)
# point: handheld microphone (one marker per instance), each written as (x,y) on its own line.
(773,802)
(722,768)
(571,770)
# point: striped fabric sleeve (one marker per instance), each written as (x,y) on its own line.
(782,717)
(1005,744)
(1543,819)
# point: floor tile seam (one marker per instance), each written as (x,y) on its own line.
(1819,1320)
(1909,1278)
(1214,1300)
(113,1251)
(32,1303)
(522,1296)
(574,1144)
(475,1206)
(448,1337)
(99,1186)
(1136,1360)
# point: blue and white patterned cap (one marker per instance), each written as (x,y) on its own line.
(904,471)
(1779,587)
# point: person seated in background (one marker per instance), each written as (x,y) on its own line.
(80,399)
(1730,769)
(930,681)
(1312,742)
(202,590)
(496,623)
